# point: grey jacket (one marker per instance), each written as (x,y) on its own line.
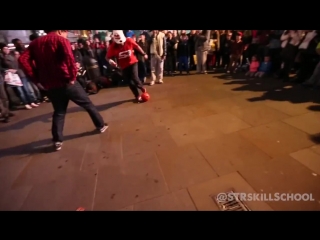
(9,62)
(202,42)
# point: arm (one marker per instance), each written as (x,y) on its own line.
(68,57)
(164,46)
(137,47)
(285,35)
(26,63)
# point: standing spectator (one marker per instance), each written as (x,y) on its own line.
(18,45)
(191,39)
(142,65)
(274,49)
(55,69)
(170,58)
(237,48)
(202,47)
(290,41)
(158,51)
(225,49)
(175,35)
(308,56)
(183,52)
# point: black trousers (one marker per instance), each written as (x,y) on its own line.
(131,76)
(60,99)
(308,63)
(4,102)
(169,64)
(275,55)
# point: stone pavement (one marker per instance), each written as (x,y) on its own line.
(197,136)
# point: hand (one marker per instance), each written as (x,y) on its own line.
(146,56)
(163,58)
(112,63)
(71,83)
(39,85)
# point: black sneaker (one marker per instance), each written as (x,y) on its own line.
(104,128)
(58,146)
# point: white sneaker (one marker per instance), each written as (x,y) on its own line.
(34,105)
(104,128)
(151,83)
(58,145)
(160,81)
(27,106)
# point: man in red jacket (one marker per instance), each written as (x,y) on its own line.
(122,49)
(49,62)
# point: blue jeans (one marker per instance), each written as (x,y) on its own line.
(184,60)
(25,94)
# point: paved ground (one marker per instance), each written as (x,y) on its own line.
(197,136)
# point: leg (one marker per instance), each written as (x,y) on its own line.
(77,95)
(204,61)
(25,88)
(160,70)
(135,78)
(22,95)
(127,75)
(199,61)
(252,74)
(247,74)
(315,76)
(4,102)
(185,61)
(180,63)
(59,101)
(261,74)
(153,63)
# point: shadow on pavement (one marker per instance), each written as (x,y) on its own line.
(46,117)
(42,146)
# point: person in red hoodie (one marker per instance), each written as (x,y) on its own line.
(237,48)
(122,49)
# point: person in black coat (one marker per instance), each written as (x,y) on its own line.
(171,41)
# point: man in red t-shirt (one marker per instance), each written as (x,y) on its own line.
(122,49)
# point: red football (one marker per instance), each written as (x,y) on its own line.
(145,97)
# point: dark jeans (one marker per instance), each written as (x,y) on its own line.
(275,55)
(60,98)
(131,76)
(184,63)
(4,102)
(142,67)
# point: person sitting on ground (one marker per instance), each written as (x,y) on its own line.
(265,67)
(254,66)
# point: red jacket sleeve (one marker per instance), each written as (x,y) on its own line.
(69,58)
(26,63)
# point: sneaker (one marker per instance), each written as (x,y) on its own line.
(143,90)
(151,83)
(58,145)
(104,128)
(27,106)
(160,82)
(34,105)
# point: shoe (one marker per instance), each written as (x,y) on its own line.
(151,83)
(27,106)
(58,146)
(160,82)
(143,90)
(104,128)
(138,100)
(34,105)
